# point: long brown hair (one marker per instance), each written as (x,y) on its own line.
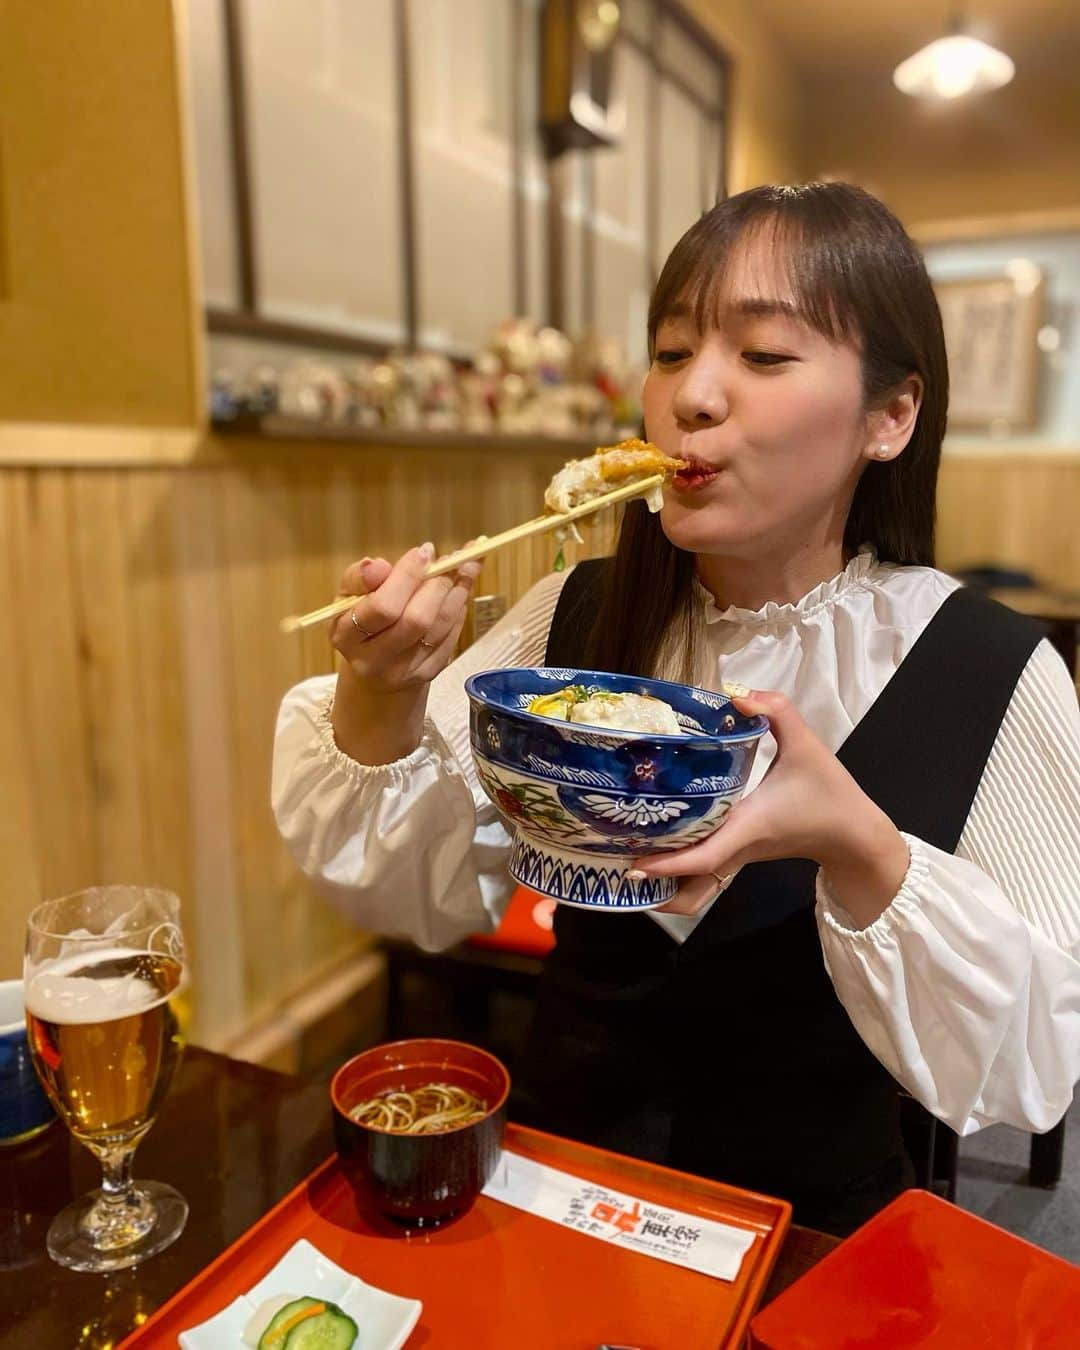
(856,276)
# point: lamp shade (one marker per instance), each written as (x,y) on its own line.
(953,66)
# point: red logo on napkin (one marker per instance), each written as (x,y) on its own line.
(625,1220)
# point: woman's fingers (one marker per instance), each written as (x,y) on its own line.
(788,728)
(721,852)
(434,646)
(380,607)
(383,607)
(693,895)
(368,574)
(791,813)
(404,625)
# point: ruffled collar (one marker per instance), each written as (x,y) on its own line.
(855,576)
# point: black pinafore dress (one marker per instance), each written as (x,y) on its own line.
(730,1055)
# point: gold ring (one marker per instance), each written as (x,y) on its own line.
(356,624)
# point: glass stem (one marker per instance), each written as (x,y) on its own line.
(116,1183)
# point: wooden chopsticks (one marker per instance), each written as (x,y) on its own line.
(483,546)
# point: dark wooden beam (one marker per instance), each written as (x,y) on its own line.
(726,75)
(588,244)
(231,323)
(237,114)
(519,225)
(406,175)
(556,252)
(234,323)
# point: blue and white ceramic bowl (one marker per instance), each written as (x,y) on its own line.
(583,801)
(24,1108)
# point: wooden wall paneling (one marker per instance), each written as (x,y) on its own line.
(497,502)
(348,526)
(1016,512)
(1052,520)
(397,506)
(160,714)
(21,831)
(316,580)
(108,675)
(261,664)
(454,517)
(51,666)
(213,912)
(309,925)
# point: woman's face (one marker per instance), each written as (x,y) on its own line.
(767,410)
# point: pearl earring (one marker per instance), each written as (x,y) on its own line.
(882,452)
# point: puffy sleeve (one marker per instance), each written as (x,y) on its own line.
(410,849)
(967,988)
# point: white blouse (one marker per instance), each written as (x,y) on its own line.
(967,988)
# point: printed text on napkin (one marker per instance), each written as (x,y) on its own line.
(654,1230)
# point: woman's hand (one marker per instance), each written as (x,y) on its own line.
(404,628)
(806,806)
(402,631)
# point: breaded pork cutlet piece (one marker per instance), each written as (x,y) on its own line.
(612,466)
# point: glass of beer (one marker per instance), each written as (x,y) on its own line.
(102,968)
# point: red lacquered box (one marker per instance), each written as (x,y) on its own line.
(923,1273)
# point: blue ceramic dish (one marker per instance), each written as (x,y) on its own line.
(24,1108)
(583,801)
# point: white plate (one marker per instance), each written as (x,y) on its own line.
(384,1321)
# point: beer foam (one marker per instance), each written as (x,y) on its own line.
(56,996)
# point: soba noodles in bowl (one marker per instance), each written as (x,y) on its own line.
(589,770)
(418,1127)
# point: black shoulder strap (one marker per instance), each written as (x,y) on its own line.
(574,614)
(920,750)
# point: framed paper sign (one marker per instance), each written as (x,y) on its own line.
(991,325)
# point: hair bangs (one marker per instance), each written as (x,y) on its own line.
(780,259)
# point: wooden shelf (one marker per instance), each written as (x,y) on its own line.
(278,426)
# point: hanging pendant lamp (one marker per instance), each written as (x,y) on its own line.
(952,66)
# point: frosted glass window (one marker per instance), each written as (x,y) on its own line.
(324,145)
(213,153)
(622,283)
(679,188)
(622,296)
(323,130)
(693,64)
(463,168)
(620,170)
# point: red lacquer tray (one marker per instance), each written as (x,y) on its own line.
(500,1277)
(923,1275)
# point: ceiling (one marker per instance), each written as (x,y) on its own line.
(848,38)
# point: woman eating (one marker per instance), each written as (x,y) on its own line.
(894,901)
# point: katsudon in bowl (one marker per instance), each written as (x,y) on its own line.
(590,770)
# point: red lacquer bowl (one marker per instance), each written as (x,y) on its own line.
(419,1179)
